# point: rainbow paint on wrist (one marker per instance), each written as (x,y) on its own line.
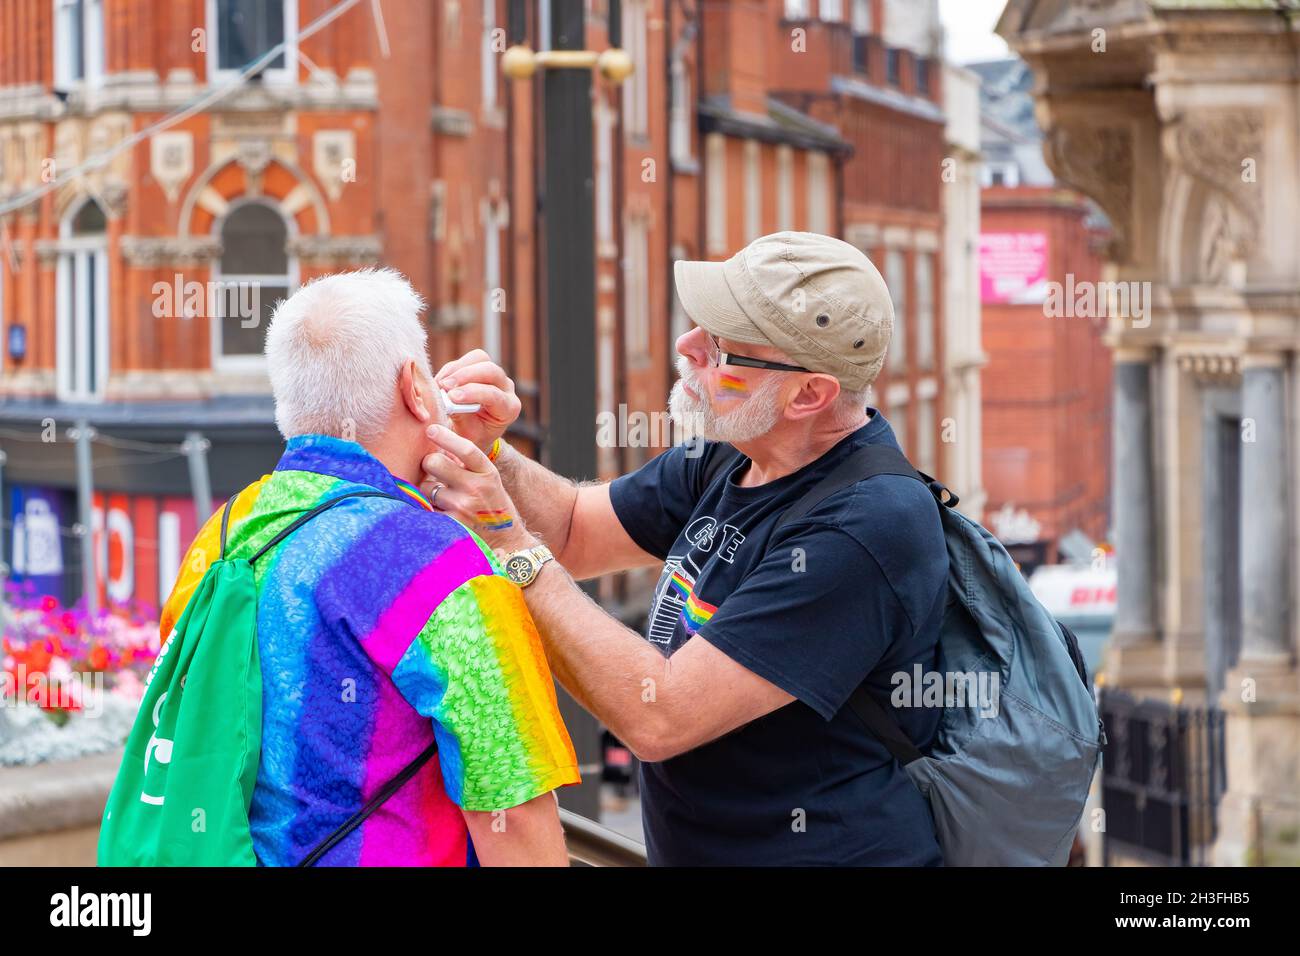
(495,520)
(495,451)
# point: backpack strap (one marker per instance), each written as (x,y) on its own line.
(225,521)
(319,509)
(1076,655)
(863,463)
(354,821)
(866,462)
(883,725)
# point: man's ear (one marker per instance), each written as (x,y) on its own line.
(415,395)
(815,395)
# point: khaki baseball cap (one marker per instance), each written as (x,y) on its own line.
(816,298)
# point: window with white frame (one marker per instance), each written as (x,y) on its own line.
(680,125)
(605,369)
(896,279)
(1000,174)
(925,310)
(492,223)
(681,322)
(784,187)
(716,193)
(254,272)
(862,16)
(543,25)
(898,421)
(922,67)
(636,89)
(636,288)
(796,9)
(81,305)
(241,32)
(604,133)
(831,11)
(4,326)
(819,193)
(78,43)
(753,190)
(926,435)
(488,60)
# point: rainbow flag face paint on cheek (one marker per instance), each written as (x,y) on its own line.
(731,386)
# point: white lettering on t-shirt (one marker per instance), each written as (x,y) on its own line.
(700,532)
(731,539)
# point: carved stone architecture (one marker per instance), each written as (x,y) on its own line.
(1179,118)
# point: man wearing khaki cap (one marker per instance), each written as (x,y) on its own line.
(734,699)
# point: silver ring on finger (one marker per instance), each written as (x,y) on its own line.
(433,498)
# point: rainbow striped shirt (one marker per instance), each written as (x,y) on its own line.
(382,625)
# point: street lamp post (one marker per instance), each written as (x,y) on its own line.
(568,207)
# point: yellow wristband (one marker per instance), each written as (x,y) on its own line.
(495,450)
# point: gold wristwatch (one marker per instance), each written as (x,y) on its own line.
(522,566)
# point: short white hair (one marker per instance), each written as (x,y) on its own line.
(334,351)
(850,406)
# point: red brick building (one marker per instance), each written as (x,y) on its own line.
(826,117)
(1047,387)
(137,266)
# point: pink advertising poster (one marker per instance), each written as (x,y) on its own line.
(1013,268)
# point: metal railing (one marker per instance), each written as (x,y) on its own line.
(591,844)
(1163,772)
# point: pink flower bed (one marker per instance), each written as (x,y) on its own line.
(51,654)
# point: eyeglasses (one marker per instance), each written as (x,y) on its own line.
(717,358)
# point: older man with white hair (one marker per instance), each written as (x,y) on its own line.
(768,615)
(387,632)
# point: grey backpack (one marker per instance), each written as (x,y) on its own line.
(1005,789)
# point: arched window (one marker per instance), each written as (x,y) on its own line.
(255,272)
(81,304)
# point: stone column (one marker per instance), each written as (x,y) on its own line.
(1134,498)
(1258,815)
(1265,514)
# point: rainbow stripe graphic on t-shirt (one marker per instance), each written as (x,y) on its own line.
(696,613)
(681,584)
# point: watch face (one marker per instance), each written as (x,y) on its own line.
(519,568)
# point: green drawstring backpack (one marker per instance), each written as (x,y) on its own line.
(183,791)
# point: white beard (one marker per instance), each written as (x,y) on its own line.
(752,418)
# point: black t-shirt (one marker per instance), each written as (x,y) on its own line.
(854,589)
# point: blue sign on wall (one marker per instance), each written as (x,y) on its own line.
(36,551)
(17,342)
